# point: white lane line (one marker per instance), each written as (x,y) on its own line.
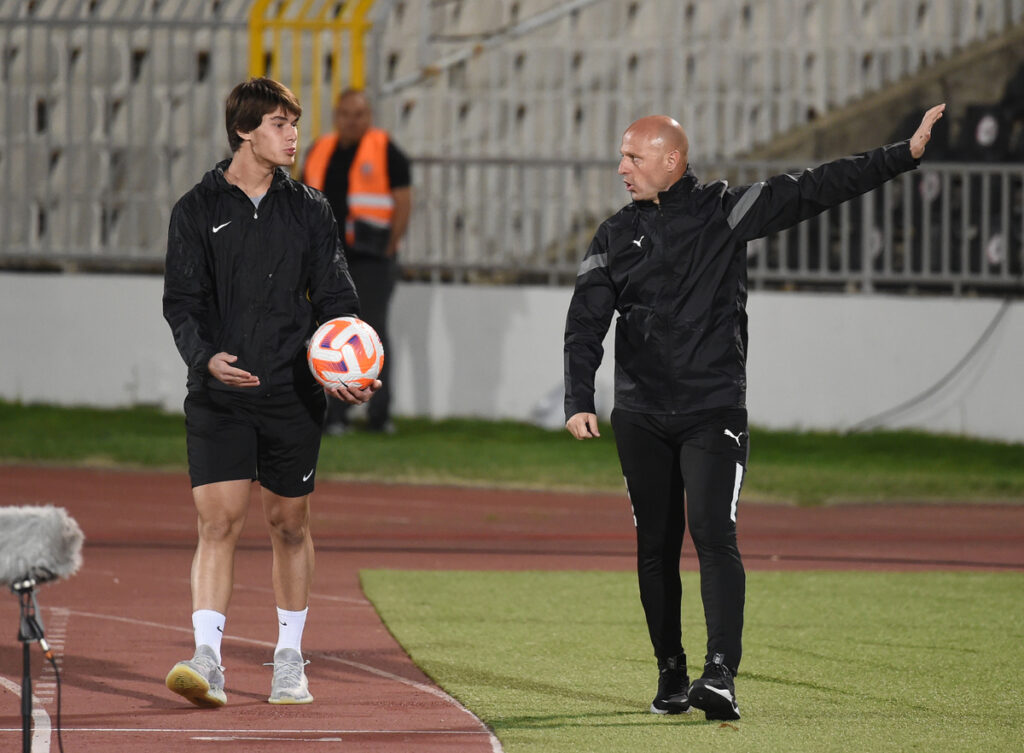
(55,627)
(198,730)
(436,692)
(312,595)
(40,719)
(231,738)
(240,732)
(243,587)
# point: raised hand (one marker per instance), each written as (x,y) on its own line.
(924,131)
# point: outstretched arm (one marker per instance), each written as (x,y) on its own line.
(924,131)
(784,200)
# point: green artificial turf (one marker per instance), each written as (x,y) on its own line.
(800,467)
(834,661)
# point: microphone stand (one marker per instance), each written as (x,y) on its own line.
(30,630)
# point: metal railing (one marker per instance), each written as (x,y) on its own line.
(951,227)
(315,47)
(111,109)
(947,227)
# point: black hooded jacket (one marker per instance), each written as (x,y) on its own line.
(253,282)
(676,273)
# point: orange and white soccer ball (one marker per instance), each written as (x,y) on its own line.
(345,352)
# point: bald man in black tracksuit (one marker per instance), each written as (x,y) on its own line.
(673,265)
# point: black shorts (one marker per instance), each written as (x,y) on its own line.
(275,439)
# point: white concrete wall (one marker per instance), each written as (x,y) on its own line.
(816,362)
(832,362)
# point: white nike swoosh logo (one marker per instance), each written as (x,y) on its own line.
(221,227)
(306,477)
(640,241)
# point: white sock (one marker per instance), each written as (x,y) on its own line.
(209,629)
(289,629)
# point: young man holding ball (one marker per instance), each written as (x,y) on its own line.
(254,262)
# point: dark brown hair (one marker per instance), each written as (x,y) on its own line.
(250,101)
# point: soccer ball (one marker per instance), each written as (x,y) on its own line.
(345,352)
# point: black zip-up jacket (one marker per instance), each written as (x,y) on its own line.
(676,273)
(253,282)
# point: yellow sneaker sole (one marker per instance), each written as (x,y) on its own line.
(189,684)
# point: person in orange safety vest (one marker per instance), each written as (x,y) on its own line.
(367,180)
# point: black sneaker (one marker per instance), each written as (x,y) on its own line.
(672,685)
(714,693)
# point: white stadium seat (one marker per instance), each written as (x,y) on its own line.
(148,80)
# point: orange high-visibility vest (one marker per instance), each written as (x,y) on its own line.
(369,192)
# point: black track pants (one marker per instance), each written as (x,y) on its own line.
(374,278)
(703,455)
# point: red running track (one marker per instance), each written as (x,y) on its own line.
(124,619)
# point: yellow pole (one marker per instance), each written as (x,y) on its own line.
(278,24)
(336,85)
(358,26)
(350,24)
(295,39)
(318,78)
(317,82)
(362,10)
(297,68)
(256,26)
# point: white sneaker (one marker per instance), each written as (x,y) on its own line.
(289,685)
(200,679)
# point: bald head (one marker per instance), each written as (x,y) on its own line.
(655,152)
(663,132)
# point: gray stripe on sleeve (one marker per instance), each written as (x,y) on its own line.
(597,261)
(744,204)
